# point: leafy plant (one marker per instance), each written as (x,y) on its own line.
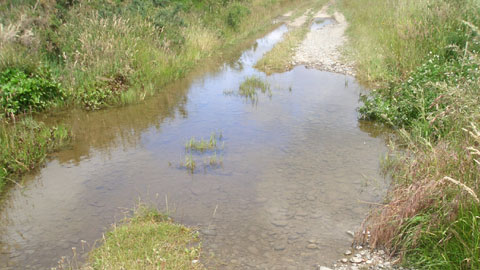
(22,92)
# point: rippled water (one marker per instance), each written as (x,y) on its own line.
(297,170)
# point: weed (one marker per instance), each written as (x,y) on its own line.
(214,161)
(190,163)
(148,240)
(251,85)
(25,144)
(203,145)
(22,92)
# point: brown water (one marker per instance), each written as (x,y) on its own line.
(297,166)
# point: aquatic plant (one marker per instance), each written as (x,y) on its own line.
(251,85)
(190,163)
(203,145)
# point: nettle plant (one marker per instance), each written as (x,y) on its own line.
(21,91)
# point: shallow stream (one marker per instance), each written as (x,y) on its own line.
(298,170)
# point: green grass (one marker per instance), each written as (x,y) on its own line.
(148,240)
(279,59)
(203,145)
(422,56)
(25,145)
(250,87)
(190,164)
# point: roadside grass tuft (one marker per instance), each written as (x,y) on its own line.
(279,59)
(148,240)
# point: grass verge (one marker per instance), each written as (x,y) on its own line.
(148,240)
(423,58)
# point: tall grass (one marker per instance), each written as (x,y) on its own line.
(390,38)
(423,58)
(24,145)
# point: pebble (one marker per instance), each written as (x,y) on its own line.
(348,252)
(312,246)
(279,222)
(278,246)
(356,260)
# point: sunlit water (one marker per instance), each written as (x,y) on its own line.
(298,168)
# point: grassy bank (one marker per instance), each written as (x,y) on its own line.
(99,53)
(148,240)
(116,52)
(422,56)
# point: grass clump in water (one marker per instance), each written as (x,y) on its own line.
(190,163)
(203,145)
(214,160)
(250,86)
(24,146)
(148,240)
(423,56)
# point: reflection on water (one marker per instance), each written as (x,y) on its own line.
(296,168)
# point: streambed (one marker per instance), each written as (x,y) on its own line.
(297,168)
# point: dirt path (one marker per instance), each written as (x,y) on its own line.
(321,47)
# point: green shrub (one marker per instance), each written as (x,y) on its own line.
(236,14)
(22,92)
(420,97)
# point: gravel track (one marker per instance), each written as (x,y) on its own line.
(321,47)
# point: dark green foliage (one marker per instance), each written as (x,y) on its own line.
(418,99)
(236,14)
(22,92)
